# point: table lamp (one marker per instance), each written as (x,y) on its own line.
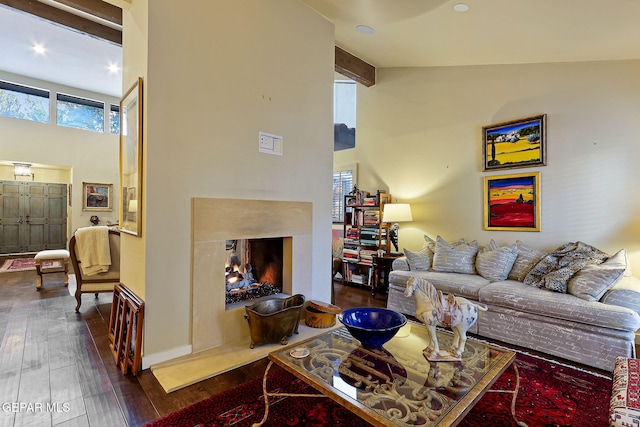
(395,213)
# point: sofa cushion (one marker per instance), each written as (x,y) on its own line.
(464,285)
(518,296)
(625,293)
(419,261)
(592,281)
(495,264)
(527,258)
(455,258)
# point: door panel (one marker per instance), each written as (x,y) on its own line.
(33,216)
(10,216)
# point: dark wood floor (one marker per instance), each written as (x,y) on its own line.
(51,355)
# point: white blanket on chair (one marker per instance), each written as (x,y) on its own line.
(93,249)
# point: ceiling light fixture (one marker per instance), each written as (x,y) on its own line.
(461,7)
(113,68)
(365,29)
(22,169)
(39,48)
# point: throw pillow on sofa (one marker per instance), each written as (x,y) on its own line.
(459,258)
(592,281)
(526,260)
(419,261)
(494,263)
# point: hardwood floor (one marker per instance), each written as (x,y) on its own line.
(56,368)
(51,355)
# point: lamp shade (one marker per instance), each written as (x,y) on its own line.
(397,212)
(133,206)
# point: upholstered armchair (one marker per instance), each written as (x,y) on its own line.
(103,281)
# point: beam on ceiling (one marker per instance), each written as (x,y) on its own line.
(354,68)
(66,19)
(97,8)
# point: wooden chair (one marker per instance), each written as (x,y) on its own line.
(101,282)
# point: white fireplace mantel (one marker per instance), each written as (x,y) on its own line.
(216,220)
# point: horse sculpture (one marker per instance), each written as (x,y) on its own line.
(435,309)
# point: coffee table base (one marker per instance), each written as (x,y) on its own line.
(267,394)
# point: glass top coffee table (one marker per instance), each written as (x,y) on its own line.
(395,385)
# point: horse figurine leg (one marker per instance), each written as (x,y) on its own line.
(430,321)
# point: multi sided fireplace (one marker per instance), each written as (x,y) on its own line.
(214,323)
(253,268)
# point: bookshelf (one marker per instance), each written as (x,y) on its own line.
(364,235)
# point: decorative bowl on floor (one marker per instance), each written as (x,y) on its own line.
(372,326)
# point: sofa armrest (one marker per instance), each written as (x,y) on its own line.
(626,293)
(400,263)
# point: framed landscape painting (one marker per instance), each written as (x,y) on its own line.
(516,144)
(512,202)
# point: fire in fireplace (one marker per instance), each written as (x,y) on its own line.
(253,268)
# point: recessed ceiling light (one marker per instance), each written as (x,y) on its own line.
(461,7)
(39,48)
(113,68)
(365,29)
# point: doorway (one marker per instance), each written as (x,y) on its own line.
(33,216)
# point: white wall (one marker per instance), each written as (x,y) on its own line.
(420,137)
(70,155)
(219,73)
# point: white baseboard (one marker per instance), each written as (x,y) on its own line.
(155,358)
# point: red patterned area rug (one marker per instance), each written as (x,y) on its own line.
(18,264)
(549,395)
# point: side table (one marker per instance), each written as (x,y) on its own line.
(381,270)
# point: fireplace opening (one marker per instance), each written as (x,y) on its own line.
(253,268)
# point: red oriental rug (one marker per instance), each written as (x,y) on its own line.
(24,264)
(550,395)
(18,264)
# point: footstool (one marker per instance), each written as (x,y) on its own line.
(624,408)
(52,256)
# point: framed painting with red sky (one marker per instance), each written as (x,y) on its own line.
(512,202)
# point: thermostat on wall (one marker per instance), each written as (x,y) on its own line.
(270,144)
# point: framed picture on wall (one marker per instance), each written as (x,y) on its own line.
(515,144)
(97,197)
(131,160)
(512,202)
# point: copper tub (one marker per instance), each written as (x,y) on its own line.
(274,320)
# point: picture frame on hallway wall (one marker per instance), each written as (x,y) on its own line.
(512,202)
(515,144)
(97,197)
(130,212)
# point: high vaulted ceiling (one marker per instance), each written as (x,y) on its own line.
(429,33)
(408,33)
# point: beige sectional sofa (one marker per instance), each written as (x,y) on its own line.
(575,302)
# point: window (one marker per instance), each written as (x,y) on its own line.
(344,114)
(344,178)
(114,120)
(23,102)
(80,113)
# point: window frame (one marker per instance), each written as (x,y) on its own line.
(337,203)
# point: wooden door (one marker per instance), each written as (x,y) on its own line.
(11,216)
(33,216)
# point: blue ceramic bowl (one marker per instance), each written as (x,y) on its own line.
(372,326)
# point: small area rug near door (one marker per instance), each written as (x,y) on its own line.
(24,264)
(550,394)
(18,264)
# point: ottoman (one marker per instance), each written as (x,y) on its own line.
(624,408)
(52,261)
